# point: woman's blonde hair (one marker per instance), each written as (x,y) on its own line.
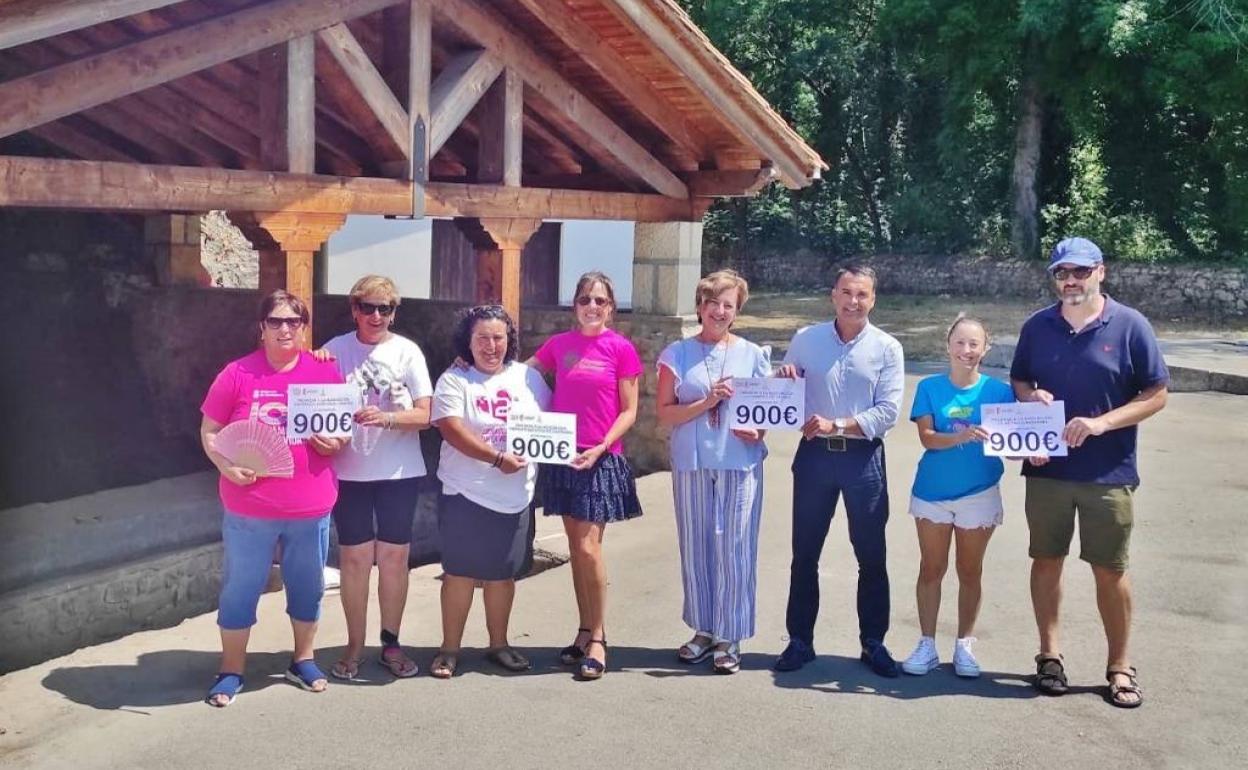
(963,318)
(717,283)
(375,284)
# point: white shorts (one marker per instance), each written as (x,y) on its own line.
(978,511)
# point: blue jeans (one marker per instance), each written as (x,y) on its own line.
(249,546)
(820,478)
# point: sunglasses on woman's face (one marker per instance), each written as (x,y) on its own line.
(1062,273)
(276,322)
(368,308)
(585,299)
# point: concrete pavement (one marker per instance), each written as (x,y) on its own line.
(135,703)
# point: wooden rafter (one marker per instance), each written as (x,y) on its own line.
(730,184)
(605,140)
(642,17)
(84,144)
(603,58)
(502,127)
(24,21)
(457,89)
(102,186)
(84,83)
(368,82)
(335,88)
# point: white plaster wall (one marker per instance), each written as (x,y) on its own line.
(596,245)
(396,248)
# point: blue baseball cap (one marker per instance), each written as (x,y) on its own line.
(1075,251)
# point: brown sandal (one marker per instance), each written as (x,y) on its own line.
(444,665)
(1131,688)
(1051,675)
(508,658)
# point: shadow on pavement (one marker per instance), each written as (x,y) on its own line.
(165,678)
(848,676)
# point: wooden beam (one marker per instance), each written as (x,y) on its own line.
(24,21)
(730,184)
(85,145)
(501,130)
(605,137)
(301,105)
(371,86)
(419,86)
(84,83)
(101,186)
(601,56)
(460,85)
(356,114)
(643,17)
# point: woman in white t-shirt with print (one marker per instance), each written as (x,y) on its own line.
(379,472)
(485,514)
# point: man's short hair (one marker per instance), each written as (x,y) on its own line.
(861,271)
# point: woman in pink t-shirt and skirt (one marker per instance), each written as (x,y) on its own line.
(596,374)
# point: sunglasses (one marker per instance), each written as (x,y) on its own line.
(1062,273)
(585,299)
(275,322)
(368,308)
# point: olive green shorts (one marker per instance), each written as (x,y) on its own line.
(1105,520)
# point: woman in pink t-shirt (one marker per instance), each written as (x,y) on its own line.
(596,377)
(265,511)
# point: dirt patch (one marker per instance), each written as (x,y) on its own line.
(920,322)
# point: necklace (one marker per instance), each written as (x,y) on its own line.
(712,415)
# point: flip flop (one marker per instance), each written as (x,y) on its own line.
(305,673)
(398,663)
(228,685)
(346,668)
(509,659)
(444,665)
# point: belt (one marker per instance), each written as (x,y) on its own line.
(841,443)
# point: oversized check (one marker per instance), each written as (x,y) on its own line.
(1027,429)
(543,437)
(322,410)
(767,402)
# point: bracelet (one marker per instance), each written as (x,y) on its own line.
(497,460)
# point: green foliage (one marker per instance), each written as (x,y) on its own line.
(915,103)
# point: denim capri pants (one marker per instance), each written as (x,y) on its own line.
(250,543)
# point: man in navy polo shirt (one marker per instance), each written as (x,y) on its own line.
(1102,359)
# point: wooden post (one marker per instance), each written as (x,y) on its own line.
(287,242)
(498,243)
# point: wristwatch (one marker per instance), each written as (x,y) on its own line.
(841,424)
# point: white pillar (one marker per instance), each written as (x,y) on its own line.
(667,264)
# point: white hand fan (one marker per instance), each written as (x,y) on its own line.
(256,446)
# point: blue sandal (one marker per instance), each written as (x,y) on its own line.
(306,674)
(228,685)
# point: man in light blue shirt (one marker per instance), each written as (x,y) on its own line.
(855,375)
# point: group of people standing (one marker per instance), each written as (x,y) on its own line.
(1087,350)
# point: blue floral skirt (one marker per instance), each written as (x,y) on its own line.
(605,493)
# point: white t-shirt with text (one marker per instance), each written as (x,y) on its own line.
(392,376)
(483,401)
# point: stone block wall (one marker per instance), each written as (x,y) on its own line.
(1173,291)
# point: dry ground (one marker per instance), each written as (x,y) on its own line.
(920,322)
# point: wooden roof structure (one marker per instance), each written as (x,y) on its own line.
(539,109)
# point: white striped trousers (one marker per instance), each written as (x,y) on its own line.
(717,518)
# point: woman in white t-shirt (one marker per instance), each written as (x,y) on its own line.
(379,472)
(485,514)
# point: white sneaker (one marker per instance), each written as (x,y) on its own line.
(923,659)
(964,663)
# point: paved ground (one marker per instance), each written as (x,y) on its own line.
(135,703)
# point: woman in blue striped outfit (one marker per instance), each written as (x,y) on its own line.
(717,474)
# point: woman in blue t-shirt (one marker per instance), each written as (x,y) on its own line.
(955,493)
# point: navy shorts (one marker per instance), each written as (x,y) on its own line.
(376,510)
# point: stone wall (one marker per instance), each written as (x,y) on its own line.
(1175,291)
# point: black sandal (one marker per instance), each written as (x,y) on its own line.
(1051,675)
(1132,687)
(592,668)
(572,654)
